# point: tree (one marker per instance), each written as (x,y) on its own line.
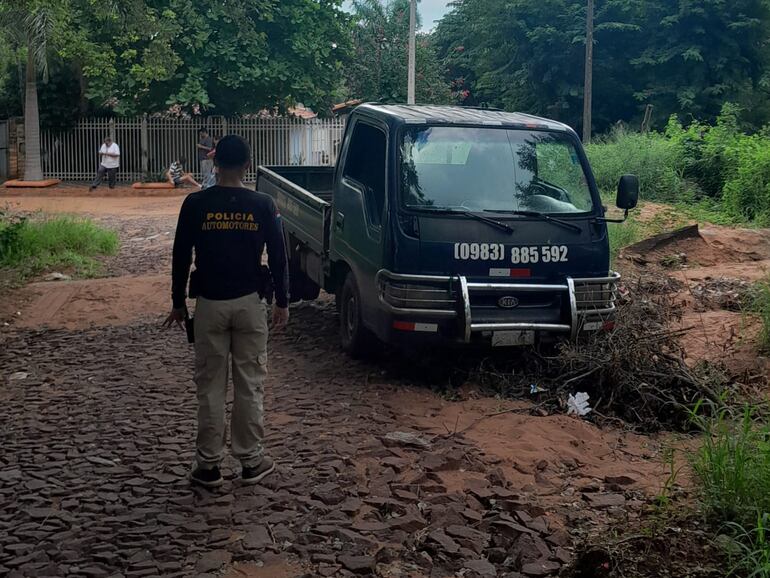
(702,53)
(119,51)
(225,57)
(529,56)
(678,55)
(28,25)
(378,69)
(58,99)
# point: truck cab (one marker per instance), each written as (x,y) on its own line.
(439,223)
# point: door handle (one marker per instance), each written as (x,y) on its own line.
(339,222)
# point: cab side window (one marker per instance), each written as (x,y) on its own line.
(365,164)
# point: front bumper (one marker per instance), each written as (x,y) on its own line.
(463,308)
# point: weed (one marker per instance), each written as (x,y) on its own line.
(760,305)
(750,548)
(733,465)
(731,469)
(32,246)
(664,499)
(623,234)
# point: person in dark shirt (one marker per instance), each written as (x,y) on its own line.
(229,227)
(204,147)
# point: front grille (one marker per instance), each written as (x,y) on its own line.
(526,300)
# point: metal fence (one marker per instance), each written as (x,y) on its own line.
(149,145)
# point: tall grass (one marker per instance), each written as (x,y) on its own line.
(751,548)
(621,235)
(719,172)
(32,246)
(733,466)
(652,157)
(732,472)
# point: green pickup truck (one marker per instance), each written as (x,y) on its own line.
(449,224)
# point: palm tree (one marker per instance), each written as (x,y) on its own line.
(29,25)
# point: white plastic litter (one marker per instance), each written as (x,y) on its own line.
(578,404)
(535,389)
(55,276)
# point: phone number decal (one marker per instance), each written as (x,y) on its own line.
(516,255)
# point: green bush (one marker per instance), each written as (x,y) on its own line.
(652,157)
(747,192)
(37,245)
(706,154)
(718,172)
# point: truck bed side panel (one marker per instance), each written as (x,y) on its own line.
(305,215)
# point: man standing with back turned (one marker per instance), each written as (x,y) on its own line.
(229,225)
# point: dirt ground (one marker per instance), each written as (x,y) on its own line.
(378,473)
(714,268)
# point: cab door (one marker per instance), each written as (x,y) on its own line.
(358,211)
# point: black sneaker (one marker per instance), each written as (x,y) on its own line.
(254,474)
(208,478)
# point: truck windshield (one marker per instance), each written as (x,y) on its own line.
(492,169)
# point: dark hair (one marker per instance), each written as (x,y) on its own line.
(202,130)
(182,160)
(232,152)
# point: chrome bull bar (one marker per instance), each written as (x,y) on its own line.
(429,296)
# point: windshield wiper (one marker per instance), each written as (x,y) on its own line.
(481,218)
(539,215)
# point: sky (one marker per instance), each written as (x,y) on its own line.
(430,10)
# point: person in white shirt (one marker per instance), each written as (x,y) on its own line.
(109,161)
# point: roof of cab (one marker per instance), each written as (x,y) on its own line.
(430,114)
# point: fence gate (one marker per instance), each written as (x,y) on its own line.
(4,151)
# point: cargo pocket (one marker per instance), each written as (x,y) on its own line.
(261,367)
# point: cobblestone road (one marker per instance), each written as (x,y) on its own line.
(96,443)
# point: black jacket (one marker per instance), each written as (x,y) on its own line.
(229,227)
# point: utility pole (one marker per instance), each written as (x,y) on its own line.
(588,87)
(412,26)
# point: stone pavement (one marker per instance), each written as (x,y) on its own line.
(96,443)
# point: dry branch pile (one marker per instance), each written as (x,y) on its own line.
(636,372)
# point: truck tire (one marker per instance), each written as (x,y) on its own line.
(356,339)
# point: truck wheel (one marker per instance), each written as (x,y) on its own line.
(356,339)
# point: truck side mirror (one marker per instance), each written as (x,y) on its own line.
(628,192)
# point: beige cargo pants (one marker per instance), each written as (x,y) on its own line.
(230,331)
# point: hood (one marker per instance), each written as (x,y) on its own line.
(536,249)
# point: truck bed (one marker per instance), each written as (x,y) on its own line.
(318,181)
(303,195)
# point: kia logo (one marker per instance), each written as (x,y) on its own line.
(507,302)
